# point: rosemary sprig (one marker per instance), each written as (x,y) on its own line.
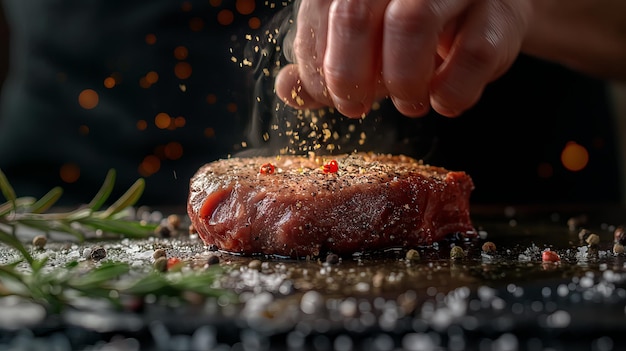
(31,212)
(57,287)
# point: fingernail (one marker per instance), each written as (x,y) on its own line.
(349,108)
(411,109)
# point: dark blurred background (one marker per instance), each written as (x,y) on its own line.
(157,89)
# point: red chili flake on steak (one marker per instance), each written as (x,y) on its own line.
(267,168)
(376,202)
(331,167)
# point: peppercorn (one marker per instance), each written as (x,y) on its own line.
(163,231)
(618,249)
(489,247)
(159,253)
(332,258)
(412,255)
(192,229)
(620,235)
(173,220)
(40,241)
(576,222)
(593,239)
(457,253)
(213,259)
(160,264)
(255,265)
(583,234)
(98,253)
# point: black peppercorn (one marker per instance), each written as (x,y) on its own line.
(213,259)
(332,258)
(98,253)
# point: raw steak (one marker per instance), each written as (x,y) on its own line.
(298,206)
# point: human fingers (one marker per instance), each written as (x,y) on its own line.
(411,34)
(352,61)
(289,88)
(309,49)
(484,46)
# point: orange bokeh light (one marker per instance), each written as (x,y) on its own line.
(162,120)
(211,99)
(173,150)
(232,107)
(215,3)
(254,23)
(209,132)
(109,82)
(151,39)
(69,172)
(152,77)
(180,121)
(142,124)
(225,17)
(181,53)
(245,7)
(150,165)
(88,99)
(196,24)
(182,70)
(574,156)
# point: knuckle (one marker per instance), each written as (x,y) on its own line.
(353,17)
(479,54)
(410,20)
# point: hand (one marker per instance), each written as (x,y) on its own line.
(420,53)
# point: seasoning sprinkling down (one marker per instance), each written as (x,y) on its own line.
(331,167)
(267,168)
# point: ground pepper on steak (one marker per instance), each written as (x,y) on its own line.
(371,203)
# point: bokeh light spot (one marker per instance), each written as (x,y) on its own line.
(151,39)
(574,156)
(215,3)
(209,132)
(150,165)
(545,170)
(254,23)
(69,172)
(180,121)
(232,107)
(225,17)
(196,24)
(182,70)
(181,53)
(143,82)
(142,124)
(152,77)
(88,99)
(186,6)
(109,82)
(245,7)
(162,120)
(173,150)
(83,130)
(211,99)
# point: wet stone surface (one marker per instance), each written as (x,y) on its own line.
(504,298)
